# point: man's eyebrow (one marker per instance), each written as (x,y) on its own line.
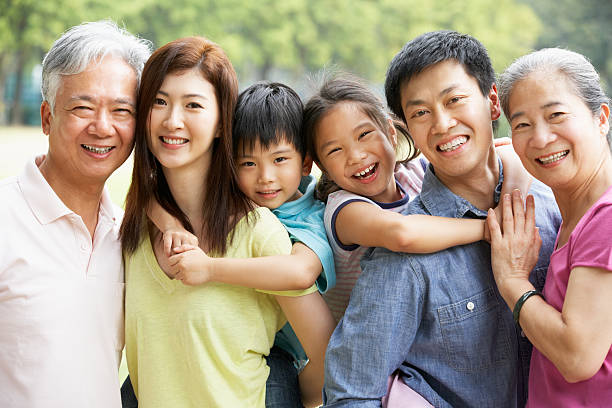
(443,92)
(88,98)
(546,105)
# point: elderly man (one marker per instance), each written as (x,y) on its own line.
(61,273)
(437,320)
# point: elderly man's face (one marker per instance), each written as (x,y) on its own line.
(92,130)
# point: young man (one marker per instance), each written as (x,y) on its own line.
(61,272)
(438,318)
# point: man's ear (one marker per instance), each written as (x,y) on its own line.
(494,101)
(306,165)
(45,117)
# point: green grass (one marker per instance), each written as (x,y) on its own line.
(20,144)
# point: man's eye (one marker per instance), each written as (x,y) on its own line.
(521,126)
(454,99)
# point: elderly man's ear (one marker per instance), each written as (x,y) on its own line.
(45,117)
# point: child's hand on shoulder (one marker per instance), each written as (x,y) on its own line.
(191,265)
(176,237)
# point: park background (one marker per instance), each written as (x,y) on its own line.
(292,41)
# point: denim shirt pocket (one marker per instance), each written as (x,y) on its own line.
(474,333)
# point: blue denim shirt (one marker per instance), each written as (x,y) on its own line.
(438,318)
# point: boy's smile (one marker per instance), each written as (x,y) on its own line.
(270,177)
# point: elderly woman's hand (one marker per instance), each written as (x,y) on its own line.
(514,252)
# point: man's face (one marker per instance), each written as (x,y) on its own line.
(450,119)
(91,131)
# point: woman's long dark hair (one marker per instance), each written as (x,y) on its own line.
(224,203)
(347,88)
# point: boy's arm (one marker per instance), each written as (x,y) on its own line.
(366,224)
(174,234)
(313,324)
(297,271)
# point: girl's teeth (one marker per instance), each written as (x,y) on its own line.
(364,172)
(174,141)
(553,157)
(98,150)
(453,144)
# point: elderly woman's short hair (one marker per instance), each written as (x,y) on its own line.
(86,43)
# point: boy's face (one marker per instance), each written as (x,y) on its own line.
(450,119)
(270,177)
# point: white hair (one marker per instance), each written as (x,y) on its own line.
(86,43)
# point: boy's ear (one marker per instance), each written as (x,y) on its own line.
(494,100)
(306,165)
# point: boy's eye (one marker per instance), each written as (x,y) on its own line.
(419,113)
(521,125)
(280,159)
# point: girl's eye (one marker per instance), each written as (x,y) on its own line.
(334,150)
(247,164)
(280,159)
(194,105)
(159,101)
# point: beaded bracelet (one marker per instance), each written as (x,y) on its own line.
(519,303)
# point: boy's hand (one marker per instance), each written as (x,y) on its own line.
(177,237)
(191,265)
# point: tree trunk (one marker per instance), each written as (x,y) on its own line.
(16,109)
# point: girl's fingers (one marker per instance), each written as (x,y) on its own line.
(167,238)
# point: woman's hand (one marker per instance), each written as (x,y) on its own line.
(191,265)
(514,252)
(173,238)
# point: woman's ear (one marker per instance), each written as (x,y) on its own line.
(604,119)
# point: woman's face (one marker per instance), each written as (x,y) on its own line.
(557,137)
(183,120)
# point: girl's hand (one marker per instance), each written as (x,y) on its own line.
(176,237)
(514,252)
(191,265)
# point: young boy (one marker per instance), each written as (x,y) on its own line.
(273,171)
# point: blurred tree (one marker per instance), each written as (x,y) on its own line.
(583,27)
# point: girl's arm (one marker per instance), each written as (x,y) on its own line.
(313,324)
(515,175)
(366,224)
(297,271)
(577,339)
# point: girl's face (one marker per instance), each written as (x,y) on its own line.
(356,154)
(183,120)
(557,137)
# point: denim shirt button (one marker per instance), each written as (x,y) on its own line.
(470,306)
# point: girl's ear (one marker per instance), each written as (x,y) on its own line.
(306,165)
(392,133)
(604,119)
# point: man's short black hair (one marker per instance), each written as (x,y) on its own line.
(431,48)
(268,113)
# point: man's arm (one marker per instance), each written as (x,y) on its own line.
(375,335)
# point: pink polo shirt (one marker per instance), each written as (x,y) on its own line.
(590,245)
(61,300)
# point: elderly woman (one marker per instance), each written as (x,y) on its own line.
(559,120)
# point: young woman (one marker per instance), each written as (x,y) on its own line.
(204,345)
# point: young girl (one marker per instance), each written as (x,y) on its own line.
(353,140)
(199,345)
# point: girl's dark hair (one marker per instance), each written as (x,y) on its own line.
(224,204)
(347,88)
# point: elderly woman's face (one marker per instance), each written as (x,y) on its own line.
(558,139)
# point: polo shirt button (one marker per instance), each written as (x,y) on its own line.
(83,247)
(470,306)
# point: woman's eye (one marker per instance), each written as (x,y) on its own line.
(556,114)
(365,133)
(194,105)
(159,101)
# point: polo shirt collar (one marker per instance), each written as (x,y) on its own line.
(440,201)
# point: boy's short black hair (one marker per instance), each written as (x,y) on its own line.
(431,48)
(268,113)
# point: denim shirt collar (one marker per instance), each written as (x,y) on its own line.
(440,201)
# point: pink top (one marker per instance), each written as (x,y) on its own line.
(590,245)
(61,300)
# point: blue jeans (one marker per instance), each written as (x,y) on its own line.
(282,387)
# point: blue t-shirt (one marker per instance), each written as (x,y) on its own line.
(303,219)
